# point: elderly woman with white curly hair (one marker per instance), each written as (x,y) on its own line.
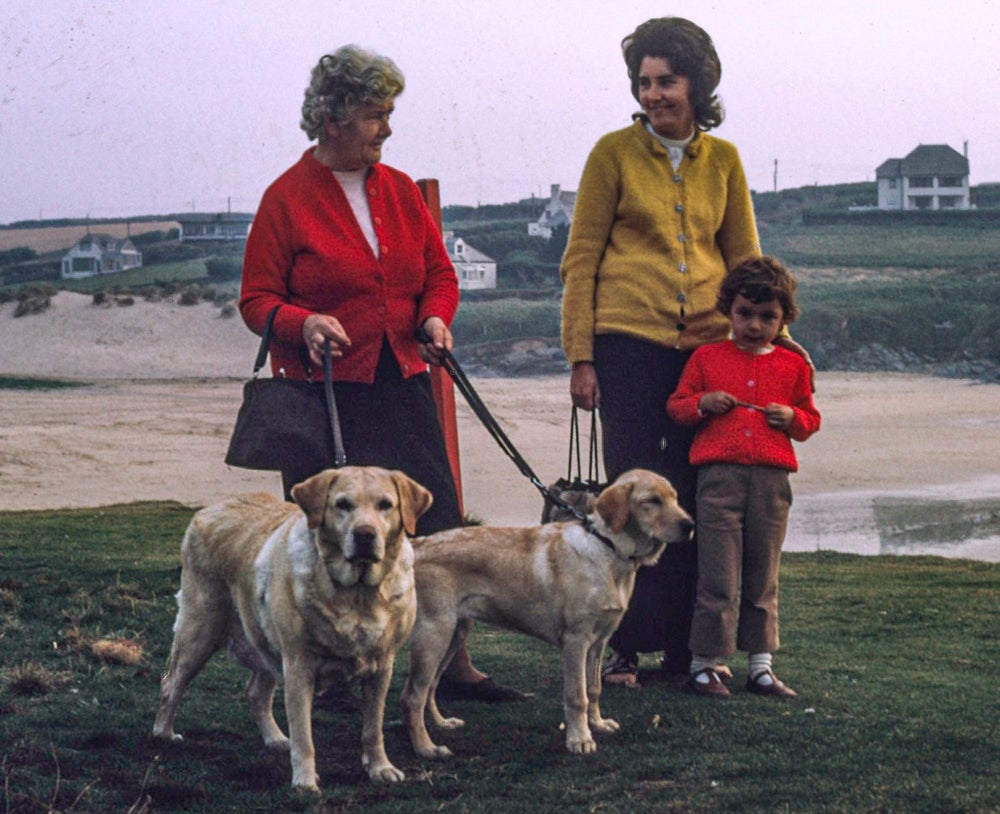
(347,248)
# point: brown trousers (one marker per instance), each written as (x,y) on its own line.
(742,516)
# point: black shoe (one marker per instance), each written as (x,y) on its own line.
(487,691)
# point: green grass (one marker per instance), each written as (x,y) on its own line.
(30,383)
(898,246)
(185,271)
(893,659)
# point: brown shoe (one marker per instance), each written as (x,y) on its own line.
(776,689)
(710,686)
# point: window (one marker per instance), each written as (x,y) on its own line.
(921,181)
(950,181)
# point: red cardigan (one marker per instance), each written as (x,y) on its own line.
(307,253)
(742,435)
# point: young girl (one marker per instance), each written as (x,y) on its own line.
(749,399)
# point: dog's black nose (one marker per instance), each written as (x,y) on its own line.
(687,528)
(364,549)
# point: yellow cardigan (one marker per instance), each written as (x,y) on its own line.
(649,246)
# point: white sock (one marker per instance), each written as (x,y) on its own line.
(699,663)
(759,665)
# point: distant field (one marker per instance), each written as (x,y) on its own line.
(54,238)
(893,246)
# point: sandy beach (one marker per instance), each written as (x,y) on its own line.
(903,463)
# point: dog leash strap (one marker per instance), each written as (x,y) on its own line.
(454,370)
(339,455)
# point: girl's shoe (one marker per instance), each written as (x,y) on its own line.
(773,688)
(707,684)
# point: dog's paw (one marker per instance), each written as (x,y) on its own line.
(385,773)
(435,752)
(449,723)
(605,726)
(172,737)
(281,744)
(581,746)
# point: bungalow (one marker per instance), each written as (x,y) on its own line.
(100,254)
(221,226)
(932,176)
(558,212)
(473,268)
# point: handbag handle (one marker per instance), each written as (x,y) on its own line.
(593,462)
(339,454)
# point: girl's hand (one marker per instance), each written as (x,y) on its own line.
(779,416)
(316,330)
(716,402)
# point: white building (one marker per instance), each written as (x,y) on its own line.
(558,212)
(474,269)
(933,176)
(220,226)
(100,254)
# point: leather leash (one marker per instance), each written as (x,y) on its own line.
(451,365)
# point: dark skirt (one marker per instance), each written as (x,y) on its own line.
(635,379)
(393,423)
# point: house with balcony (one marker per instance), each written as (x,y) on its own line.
(932,176)
(473,268)
(214,226)
(100,254)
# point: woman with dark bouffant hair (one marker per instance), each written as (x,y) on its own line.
(663,211)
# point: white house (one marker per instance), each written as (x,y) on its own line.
(474,269)
(220,226)
(558,212)
(932,176)
(100,254)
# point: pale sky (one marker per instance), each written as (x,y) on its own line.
(125,108)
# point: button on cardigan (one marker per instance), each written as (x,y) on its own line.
(306,251)
(649,244)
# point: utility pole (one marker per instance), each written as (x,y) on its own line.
(776,175)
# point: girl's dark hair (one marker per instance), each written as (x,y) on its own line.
(690,52)
(760,279)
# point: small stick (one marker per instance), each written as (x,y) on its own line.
(750,406)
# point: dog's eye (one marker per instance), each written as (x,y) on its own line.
(651,501)
(344,505)
(385,505)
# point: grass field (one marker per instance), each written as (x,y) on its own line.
(893,659)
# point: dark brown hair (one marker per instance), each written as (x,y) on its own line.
(690,52)
(760,279)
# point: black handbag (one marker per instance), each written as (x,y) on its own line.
(284,424)
(575,490)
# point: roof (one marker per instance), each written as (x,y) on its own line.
(925,159)
(469,254)
(220,217)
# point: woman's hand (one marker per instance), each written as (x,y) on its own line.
(583,387)
(441,339)
(316,330)
(795,347)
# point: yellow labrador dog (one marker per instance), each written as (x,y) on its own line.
(314,592)
(565,583)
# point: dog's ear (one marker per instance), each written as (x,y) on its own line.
(613,505)
(414,500)
(311,495)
